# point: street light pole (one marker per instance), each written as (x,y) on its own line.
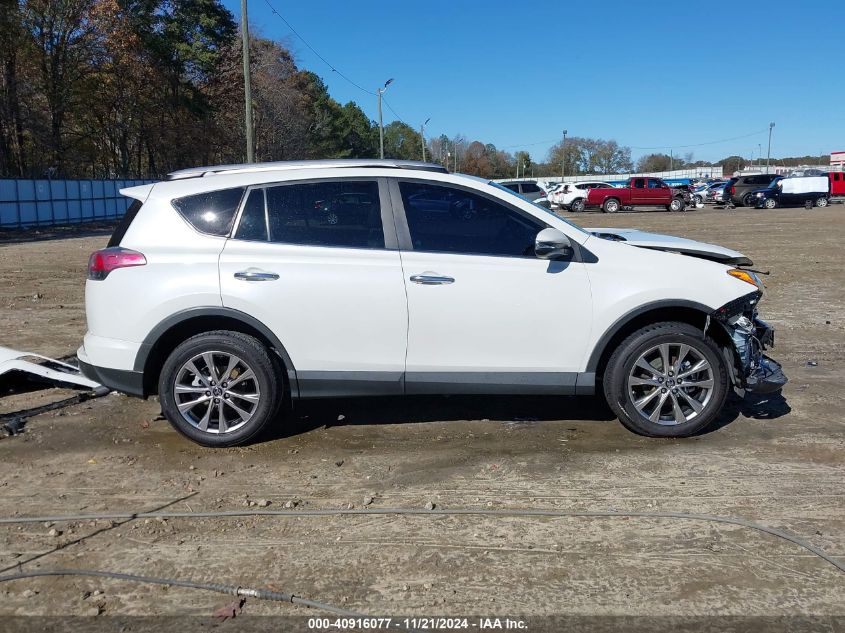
(769,152)
(563,150)
(422,136)
(250,143)
(380,92)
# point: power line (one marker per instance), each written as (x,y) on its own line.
(390,107)
(724,140)
(314,50)
(328,63)
(553,140)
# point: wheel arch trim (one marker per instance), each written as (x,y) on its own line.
(181,317)
(617,326)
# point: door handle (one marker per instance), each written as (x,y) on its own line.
(255,275)
(432,279)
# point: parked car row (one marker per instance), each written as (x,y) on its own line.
(750,190)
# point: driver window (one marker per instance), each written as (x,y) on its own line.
(444,219)
(654,184)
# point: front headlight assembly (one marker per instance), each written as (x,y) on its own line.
(748,276)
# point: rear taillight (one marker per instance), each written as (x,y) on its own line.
(102,262)
(733,190)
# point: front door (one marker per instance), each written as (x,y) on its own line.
(658,192)
(485,314)
(313,262)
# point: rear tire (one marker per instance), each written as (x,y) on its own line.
(232,379)
(645,394)
(611,205)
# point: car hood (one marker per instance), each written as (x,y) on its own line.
(672,244)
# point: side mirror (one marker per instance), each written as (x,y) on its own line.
(553,244)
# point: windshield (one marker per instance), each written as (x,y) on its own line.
(523,198)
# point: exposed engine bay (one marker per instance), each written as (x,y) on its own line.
(751,336)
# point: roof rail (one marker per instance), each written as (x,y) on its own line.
(246,168)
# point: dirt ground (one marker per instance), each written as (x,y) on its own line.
(776,460)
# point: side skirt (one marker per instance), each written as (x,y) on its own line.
(331,384)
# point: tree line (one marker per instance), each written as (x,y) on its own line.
(138,88)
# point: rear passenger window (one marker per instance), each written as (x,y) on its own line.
(253,223)
(212,212)
(530,187)
(344,214)
(639,183)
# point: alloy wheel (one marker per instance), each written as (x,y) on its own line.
(216,392)
(670,384)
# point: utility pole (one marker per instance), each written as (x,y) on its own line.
(250,143)
(380,92)
(671,160)
(769,153)
(563,151)
(422,135)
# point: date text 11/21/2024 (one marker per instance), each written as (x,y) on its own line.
(417,624)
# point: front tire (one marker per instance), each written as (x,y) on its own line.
(666,380)
(822,202)
(677,204)
(748,200)
(577,206)
(220,388)
(770,203)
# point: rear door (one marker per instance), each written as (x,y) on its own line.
(317,263)
(530,190)
(639,193)
(485,314)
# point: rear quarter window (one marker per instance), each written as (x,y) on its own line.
(530,188)
(211,212)
(123,226)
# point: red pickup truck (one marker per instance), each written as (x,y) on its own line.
(637,192)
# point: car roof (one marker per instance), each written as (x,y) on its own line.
(246,168)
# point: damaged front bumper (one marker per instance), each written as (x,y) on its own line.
(752,370)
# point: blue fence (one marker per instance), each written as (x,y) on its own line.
(26,203)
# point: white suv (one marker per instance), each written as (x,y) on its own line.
(228,290)
(572,196)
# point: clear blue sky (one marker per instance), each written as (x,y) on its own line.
(644,73)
